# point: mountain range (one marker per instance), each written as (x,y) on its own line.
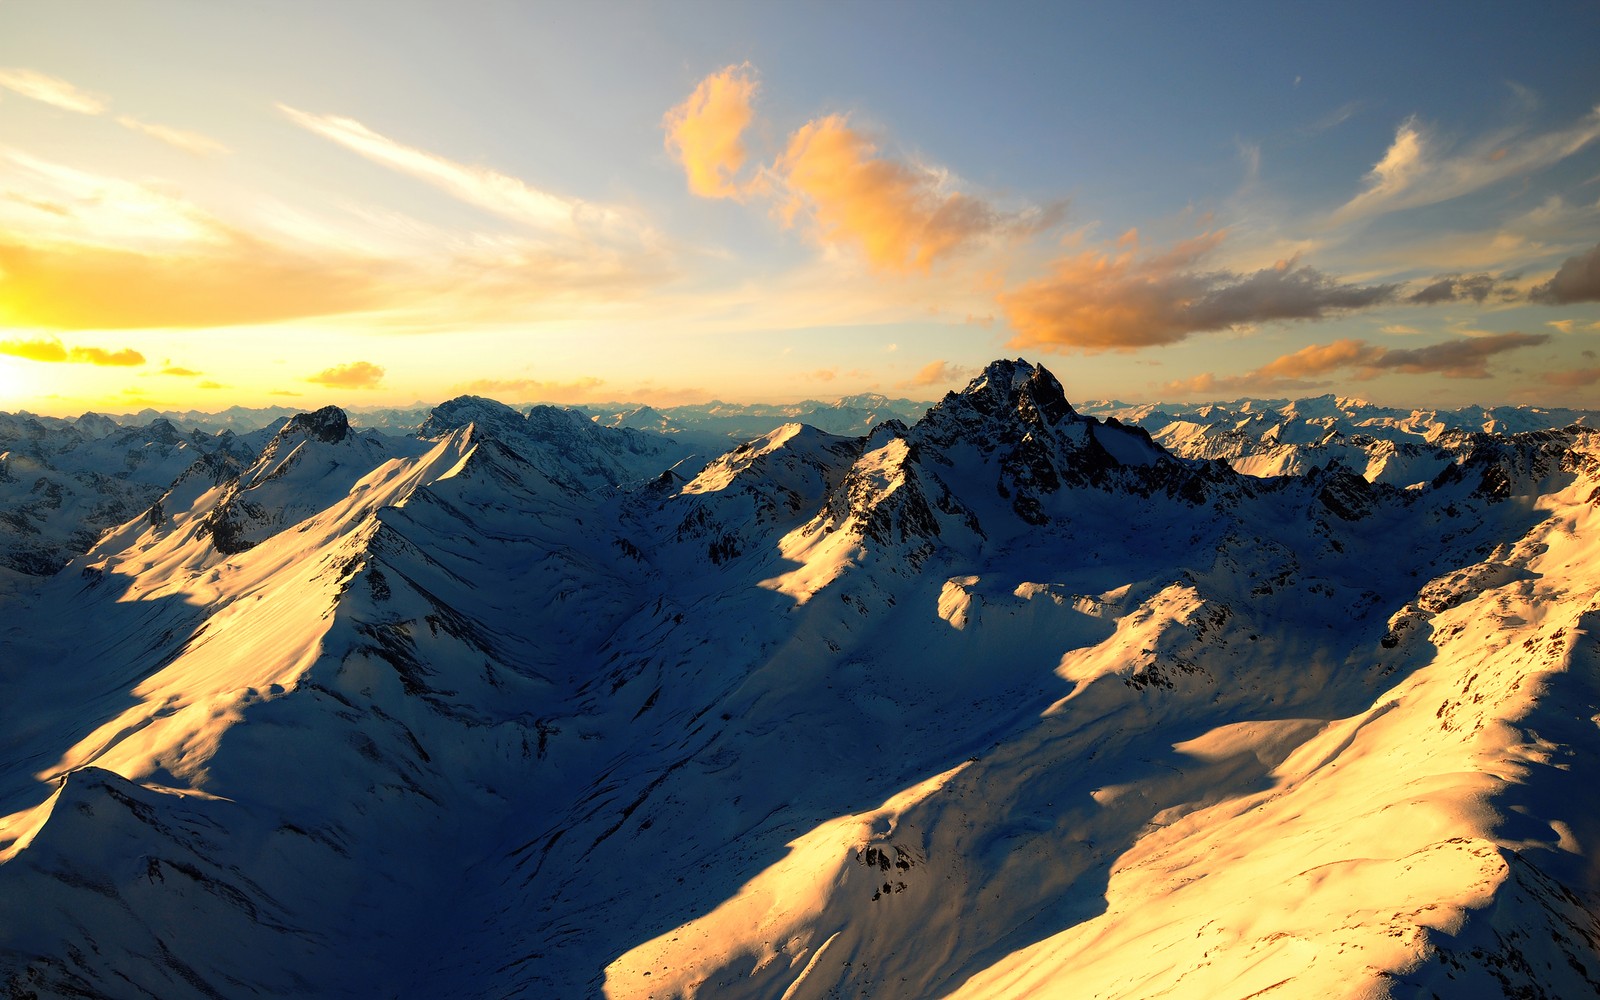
(999,698)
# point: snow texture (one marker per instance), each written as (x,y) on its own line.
(999,700)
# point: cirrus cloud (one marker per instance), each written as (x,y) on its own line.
(189,142)
(1416,170)
(50,90)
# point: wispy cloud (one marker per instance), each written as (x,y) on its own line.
(61,94)
(53,351)
(1333,119)
(501,194)
(179,371)
(1577,280)
(189,142)
(706,132)
(355,375)
(939,372)
(50,90)
(157,260)
(1462,358)
(1124,300)
(1418,170)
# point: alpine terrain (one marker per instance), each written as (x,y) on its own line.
(1003,700)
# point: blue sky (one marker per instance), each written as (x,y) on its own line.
(301,203)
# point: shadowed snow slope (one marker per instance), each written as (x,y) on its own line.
(1006,702)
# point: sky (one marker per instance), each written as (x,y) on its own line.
(374,204)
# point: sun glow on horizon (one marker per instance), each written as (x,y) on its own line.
(659,229)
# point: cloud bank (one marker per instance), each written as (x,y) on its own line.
(51,351)
(1101,301)
(1462,358)
(1577,280)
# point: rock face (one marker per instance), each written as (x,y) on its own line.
(976,704)
(64,482)
(328,425)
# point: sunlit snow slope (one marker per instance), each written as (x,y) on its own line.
(1008,702)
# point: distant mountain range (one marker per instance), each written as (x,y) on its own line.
(997,698)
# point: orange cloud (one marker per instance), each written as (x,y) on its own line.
(355,375)
(53,351)
(239,281)
(175,370)
(936,373)
(1319,359)
(1464,357)
(899,215)
(705,132)
(1097,301)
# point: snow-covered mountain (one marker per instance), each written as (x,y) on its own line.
(1289,437)
(1000,701)
(63,482)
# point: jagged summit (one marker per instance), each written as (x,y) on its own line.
(1017,386)
(453,414)
(328,425)
(161,431)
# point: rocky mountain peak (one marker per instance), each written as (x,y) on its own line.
(455,413)
(329,425)
(161,431)
(1012,387)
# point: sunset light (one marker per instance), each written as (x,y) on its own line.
(800,499)
(545,197)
